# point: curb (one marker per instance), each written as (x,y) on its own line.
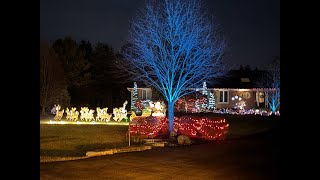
(89,154)
(149,145)
(117,150)
(158,144)
(46,159)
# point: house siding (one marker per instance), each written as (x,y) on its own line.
(248,96)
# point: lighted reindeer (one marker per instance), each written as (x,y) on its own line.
(102,114)
(72,114)
(120,113)
(59,113)
(116,114)
(86,114)
(68,117)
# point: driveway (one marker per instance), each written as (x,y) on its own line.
(255,157)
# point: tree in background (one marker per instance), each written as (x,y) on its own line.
(174,46)
(74,63)
(105,82)
(86,47)
(272,81)
(76,68)
(53,87)
(91,74)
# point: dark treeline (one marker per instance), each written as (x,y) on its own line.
(81,74)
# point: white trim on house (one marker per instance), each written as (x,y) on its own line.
(130,89)
(220,89)
(243,89)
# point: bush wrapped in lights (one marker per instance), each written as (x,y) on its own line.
(207,128)
(148,126)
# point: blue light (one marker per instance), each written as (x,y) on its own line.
(174,48)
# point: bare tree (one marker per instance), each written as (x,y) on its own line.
(174,46)
(53,88)
(272,81)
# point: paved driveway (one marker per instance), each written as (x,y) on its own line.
(254,157)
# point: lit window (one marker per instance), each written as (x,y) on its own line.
(245,80)
(224,96)
(261,97)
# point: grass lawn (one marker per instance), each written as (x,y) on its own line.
(75,140)
(247,125)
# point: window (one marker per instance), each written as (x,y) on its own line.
(143,94)
(261,97)
(245,79)
(224,96)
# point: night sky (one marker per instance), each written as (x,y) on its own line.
(252,27)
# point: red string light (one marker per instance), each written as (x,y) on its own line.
(209,128)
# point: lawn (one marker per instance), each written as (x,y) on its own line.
(246,125)
(71,140)
(76,140)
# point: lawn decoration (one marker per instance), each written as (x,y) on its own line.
(59,113)
(72,114)
(53,109)
(138,107)
(208,128)
(102,114)
(133,115)
(120,113)
(146,112)
(158,109)
(147,126)
(240,104)
(86,114)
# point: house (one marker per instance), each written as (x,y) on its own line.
(241,85)
(239,89)
(143,93)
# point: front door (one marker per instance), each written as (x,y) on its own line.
(260,98)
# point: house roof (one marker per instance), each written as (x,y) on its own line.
(235,79)
(146,88)
(240,79)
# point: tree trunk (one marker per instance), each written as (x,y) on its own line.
(171,115)
(43,111)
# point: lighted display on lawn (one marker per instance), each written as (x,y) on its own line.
(120,113)
(72,114)
(208,128)
(59,113)
(86,114)
(102,115)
